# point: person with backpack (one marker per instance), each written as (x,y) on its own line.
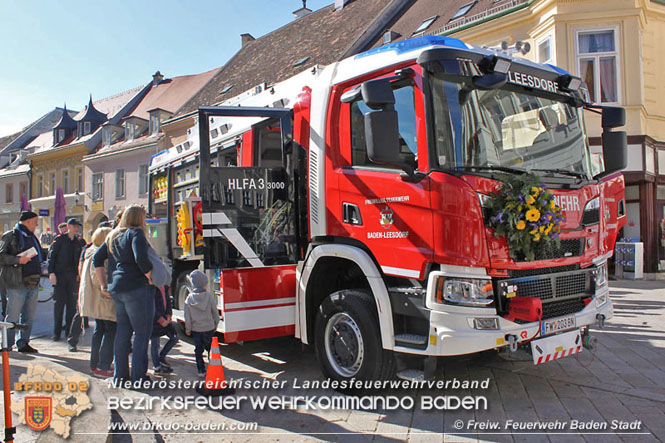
(201,317)
(21,258)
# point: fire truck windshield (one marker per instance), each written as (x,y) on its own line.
(507,128)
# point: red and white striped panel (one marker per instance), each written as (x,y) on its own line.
(558,354)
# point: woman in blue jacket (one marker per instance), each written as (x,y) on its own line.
(133,293)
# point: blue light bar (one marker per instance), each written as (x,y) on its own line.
(415,43)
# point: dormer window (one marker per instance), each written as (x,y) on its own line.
(130,130)
(135,127)
(157,116)
(86,128)
(154,123)
(106,136)
(60,136)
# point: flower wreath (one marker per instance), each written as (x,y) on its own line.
(525,213)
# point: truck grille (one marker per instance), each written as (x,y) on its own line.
(516,273)
(570,247)
(561,293)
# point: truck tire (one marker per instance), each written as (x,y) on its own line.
(348,338)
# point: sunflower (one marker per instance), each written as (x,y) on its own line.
(520,225)
(533,215)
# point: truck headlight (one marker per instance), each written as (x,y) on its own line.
(600,275)
(464,291)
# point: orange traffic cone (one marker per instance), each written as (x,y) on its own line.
(215,382)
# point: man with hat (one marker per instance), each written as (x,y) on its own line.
(63,272)
(21,257)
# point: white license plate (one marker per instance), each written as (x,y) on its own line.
(557,324)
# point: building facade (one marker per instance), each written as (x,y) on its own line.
(117,173)
(60,165)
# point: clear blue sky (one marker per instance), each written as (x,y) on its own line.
(62,51)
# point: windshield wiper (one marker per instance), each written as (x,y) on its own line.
(493,168)
(581,175)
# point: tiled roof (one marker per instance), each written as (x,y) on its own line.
(418,11)
(44,140)
(171,93)
(109,106)
(324,36)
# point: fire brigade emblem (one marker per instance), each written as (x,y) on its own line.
(38,412)
(386,218)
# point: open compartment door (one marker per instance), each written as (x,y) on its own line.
(250,228)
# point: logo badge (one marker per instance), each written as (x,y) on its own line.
(38,412)
(386,218)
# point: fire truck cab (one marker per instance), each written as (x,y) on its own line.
(346,206)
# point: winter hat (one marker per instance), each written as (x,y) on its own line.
(27,215)
(198,280)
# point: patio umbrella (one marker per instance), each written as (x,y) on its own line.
(60,207)
(25,206)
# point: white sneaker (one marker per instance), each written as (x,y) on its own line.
(202,374)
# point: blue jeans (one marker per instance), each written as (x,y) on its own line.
(21,306)
(101,350)
(202,342)
(154,346)
(135,311)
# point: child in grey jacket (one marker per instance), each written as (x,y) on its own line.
(201,317)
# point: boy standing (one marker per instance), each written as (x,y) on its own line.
(162,326)
(201,317)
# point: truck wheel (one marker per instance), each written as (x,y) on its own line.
(348,338)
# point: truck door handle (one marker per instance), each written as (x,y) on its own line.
(351,214)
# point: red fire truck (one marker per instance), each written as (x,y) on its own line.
(347,206)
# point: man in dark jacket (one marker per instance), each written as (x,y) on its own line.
(63,272)
(21,257)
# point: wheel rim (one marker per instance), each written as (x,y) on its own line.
(183,292)
(344,344)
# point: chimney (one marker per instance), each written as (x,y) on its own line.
(339,4)
(157,78)
(299,13)
(246,38)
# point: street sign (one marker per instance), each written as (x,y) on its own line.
(43,213)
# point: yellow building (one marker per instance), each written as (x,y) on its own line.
(615,46)
(59,165)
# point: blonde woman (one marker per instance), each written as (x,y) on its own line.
(100,306)
(126,249)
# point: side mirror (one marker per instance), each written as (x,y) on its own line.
(382,138)
(613,117)
(615,151)
(378,94)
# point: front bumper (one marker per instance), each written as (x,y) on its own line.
(452,332)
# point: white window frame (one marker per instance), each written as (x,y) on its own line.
(40,185)
(130,130)
(596,56)
(552,59)
(120,177)
(66,173)
(86,128)
(61,135)
(154,123)
(143,180)
(52,182)
(80,179)
(99,197)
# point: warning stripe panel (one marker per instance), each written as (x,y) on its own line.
(558,354)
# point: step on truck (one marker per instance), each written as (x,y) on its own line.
(347,206)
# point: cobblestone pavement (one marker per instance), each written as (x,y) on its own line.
(623,381)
